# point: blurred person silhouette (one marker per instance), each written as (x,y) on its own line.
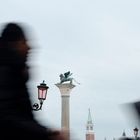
(132,112)
(16,118)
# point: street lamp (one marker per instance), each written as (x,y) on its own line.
(42,93)
(135,132)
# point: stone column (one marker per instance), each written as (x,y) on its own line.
(65,90)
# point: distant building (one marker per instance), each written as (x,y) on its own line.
(89,128)
(135,137)
(123,134)
(123,137)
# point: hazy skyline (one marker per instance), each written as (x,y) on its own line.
(98,41)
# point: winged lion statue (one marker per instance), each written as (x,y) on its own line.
(66,77)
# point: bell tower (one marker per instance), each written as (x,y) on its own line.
(89,128)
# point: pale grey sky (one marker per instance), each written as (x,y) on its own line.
(98,41)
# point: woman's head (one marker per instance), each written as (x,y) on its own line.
(13,34)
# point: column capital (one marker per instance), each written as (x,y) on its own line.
(65,88)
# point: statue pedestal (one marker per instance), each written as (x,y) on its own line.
(65,90)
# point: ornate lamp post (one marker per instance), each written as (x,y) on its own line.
(42,93)
(135,132)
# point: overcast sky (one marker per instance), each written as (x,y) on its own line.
(99,42)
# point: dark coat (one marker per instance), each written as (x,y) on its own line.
(16,118)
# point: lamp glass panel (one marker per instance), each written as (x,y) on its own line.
(42,93)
